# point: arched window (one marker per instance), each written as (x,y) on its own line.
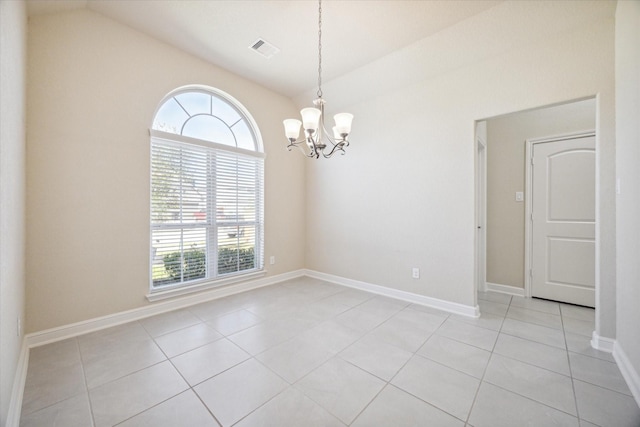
(207,169)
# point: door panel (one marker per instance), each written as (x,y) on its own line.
(563,223)
(571,196)
(566,257)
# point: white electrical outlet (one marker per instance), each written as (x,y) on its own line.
(272,260)
(415,273)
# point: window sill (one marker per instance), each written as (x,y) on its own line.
(199,287)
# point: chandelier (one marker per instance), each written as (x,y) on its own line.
(316,138)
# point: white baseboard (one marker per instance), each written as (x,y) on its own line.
(602,343)
(17,392)
(68,331)
(91,325)
(628,371)
(504,289)
(451,307)
(483,287)
(75,329)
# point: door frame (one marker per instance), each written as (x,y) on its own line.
(481,212)
(528,201)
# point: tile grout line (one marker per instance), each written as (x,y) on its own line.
(337,355)
(292,385)
(206,407)
(135,372)
(484,372)
(573,384)
(86,384)
(388,382)
(415,354)
(289,385)
(50,405)
(525,397)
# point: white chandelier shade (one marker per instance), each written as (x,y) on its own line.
(292,128)
(343,123)
(310,118)
(311,121)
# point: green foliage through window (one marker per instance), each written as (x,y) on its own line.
(233,259)
(193,265)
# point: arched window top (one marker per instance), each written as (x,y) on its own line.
(207,114)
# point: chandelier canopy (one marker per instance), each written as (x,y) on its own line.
(316,139)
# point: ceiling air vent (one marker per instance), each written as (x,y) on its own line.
(264,48)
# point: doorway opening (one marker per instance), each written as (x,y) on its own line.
(503,252)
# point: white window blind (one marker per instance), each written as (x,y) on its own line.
(206,209)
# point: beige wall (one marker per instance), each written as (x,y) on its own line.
(404,195)
(628,170)
(506,145)
(93,87)
(13,60)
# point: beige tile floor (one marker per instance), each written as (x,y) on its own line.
(311,353)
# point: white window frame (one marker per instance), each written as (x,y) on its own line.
(169,140)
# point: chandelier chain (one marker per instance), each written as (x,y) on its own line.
(319,93)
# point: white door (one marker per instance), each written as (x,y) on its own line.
(563,220)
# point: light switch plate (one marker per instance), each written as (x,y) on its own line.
(519,196)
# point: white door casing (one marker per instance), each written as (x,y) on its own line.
(562,223)
(481,214)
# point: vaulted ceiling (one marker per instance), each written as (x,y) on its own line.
(354,33)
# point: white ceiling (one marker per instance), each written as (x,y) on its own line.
(354,33)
